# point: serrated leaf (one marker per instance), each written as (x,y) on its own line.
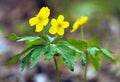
(37,54)
(28,38)
(79,44)
(51,51)
(107,53)
(67,44)
(68,64)
(26,59)
(12,37)
(23,66)
(93,51)
(37,50)
(28,56)
(94,61)
(49,55)
(77,51)
(82,57)
(68,57)
(15,58)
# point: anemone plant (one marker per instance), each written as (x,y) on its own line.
(48,45)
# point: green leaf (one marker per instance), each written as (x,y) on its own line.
(82,56)
(37,54)
(51,51)
(77,51)
(67,44)
(79,44)
(26,59)
(12,37)
(94,61)
(68,57)
(28,38)
(107,53)
(68,64)
(23,66)
(15,58)
(93,42)
(35,42)
(51,39)
(93,51)
(37,50)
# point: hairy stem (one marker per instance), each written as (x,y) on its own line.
(57,71)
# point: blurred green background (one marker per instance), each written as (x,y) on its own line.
(103,27)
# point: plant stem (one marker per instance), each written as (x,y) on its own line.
(86,67)
(57,71)
(82,33)
(86,54)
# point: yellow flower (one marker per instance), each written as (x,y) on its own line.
(58,25)
(41,19)
(79,22)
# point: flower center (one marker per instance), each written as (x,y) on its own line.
(59,25)
(39,18)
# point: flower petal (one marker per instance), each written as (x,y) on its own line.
(44,12)
(75,26)
(60,18)
(53,30)
(33,21)
(60,31)
(54,22)
(79,22)
(65,24)
(39,27)
(83,20)
(45,21)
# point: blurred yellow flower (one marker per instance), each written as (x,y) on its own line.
(79,22)
(58,25)
(41,19)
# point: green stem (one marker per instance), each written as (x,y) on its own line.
(82,33)
(86,67)
(86,54)
(57,71)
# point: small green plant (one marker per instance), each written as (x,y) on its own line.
(50,43)
(92,52)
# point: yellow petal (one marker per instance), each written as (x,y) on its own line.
(60,31)
(44,12)
(60,18)
(65,24)
(39,27)
(79,22)
(75,26)
(53,22)
(53,30)
(83,20)
(45,21)
(33,21)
